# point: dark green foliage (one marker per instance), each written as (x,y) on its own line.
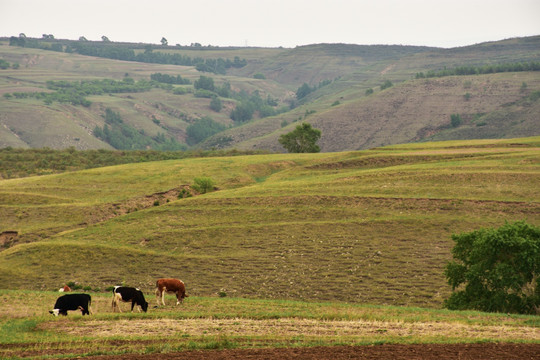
(243,111)
(249,104)
(4,64)
(169,79)
(111,50)
(75,92)
(202,129)
(369,91)
(486,69)
(122,136)
(184,194)
(216,104)
(305,89)
(201,93)
(303,139)
(455,120)
(205,83)
(496,270)
(387,84)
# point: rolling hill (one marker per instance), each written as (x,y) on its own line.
(368,226)
(493,105)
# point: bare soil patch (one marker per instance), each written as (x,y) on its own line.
(387,351)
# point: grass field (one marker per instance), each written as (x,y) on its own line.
(26,330)
(289,250)
(364,227)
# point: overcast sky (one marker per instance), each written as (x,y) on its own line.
(274,23)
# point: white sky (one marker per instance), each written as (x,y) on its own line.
(273,23)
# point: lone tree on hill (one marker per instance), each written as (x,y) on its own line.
(496,270)
(303,139)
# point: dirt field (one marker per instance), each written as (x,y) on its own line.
(395,352)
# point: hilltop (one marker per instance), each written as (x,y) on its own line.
(345,98)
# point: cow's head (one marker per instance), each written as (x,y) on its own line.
(144,306)
(57,312)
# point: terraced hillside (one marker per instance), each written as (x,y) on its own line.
(368,226)
(492,105)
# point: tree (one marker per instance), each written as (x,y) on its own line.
(105,39)
(204,82)
(164,41)
(303,139)
(303,91)
(215,104)
(496,270)
(455,120)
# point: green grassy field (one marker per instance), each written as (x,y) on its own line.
(365,227)
(289,250)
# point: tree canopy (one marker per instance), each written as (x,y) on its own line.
(496,270)
(303,139)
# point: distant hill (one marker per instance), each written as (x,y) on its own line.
(253,96)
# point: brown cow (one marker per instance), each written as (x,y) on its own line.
(170,286)
(65,289)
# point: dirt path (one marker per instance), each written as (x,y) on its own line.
(395,352)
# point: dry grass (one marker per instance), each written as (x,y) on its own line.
(285,328)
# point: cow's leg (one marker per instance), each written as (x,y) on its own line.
(116,304)
(158,295)
(163,292)
(178,298)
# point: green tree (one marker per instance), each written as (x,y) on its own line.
(455,120)
(215,104)
(304,91)
(387,84)
(164,41)
(202,129)
(303,139)
(496,270)
(204,82)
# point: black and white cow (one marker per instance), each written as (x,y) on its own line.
(72,302)
(127,294)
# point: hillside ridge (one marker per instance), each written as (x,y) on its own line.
(339,77)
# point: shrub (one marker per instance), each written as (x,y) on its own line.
(387,84)
(203,185)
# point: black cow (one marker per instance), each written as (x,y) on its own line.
(72,302)
(127,294)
